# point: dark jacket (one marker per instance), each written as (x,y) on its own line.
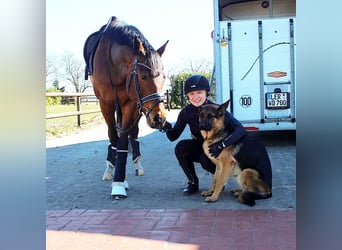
(189,115)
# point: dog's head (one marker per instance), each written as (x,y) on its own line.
(211,119)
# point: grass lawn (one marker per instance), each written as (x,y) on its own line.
(64,125)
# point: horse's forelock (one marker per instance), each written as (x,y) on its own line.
(153,61)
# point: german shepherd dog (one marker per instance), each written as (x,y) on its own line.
(247,160)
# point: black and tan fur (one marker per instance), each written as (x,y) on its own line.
(211,120)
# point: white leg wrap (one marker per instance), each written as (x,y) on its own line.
(118,190)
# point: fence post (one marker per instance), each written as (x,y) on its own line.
(168,102)
(78,105)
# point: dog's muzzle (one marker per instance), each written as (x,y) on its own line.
(205,127)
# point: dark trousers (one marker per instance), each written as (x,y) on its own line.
(188,152)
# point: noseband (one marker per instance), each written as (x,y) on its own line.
(141,100)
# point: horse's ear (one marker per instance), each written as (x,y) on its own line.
(162,48)
(140,47)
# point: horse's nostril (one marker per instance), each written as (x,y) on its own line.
(157,119)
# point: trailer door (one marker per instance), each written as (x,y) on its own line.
(262,70)
(277,68)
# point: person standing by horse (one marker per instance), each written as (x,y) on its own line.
(188,151)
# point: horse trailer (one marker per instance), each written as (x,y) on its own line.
(255,61)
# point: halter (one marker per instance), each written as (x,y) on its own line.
(141,100)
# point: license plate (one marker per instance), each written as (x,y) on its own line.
(277,100)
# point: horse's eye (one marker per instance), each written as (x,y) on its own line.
(143,77)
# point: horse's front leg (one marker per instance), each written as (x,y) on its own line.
(136,156)
(118,184)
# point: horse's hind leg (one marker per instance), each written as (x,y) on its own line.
(110,163)
(136,156)
(108,112)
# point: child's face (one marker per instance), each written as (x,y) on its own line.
(197,97)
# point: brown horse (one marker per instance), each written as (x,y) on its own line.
(128,77)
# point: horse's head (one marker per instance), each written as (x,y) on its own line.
(148,79)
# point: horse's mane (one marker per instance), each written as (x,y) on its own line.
(128,35)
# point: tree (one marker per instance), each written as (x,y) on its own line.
(202,65)
(74,72)
(178,99)
(55,84)
(194,66)
(53,100)
(177,96)
(51,71)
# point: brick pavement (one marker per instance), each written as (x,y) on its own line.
(195,229)
(270,225)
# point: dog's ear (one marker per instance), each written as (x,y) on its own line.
(223,107)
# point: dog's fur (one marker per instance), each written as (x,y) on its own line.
(253,157)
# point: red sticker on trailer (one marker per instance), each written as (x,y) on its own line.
(277,74)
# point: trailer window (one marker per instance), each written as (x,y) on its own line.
(252,9)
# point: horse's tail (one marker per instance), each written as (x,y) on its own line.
(248,198)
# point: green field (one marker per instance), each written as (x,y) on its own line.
(65,125)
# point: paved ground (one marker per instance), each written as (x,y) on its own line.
(81,214)
(171,229)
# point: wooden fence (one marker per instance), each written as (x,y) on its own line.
(78,111)
(86,97)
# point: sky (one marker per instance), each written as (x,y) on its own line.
(187,25)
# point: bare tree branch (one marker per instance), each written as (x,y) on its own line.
(51,71)
(74,71)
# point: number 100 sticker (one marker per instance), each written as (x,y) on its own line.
(245,101)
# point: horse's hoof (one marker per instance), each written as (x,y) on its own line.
(118,190)
(118,197)
(139,172)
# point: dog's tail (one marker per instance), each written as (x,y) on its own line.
(248,198)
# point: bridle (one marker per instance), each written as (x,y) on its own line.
(142,100)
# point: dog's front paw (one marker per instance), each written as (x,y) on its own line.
(210,199)
(207,193)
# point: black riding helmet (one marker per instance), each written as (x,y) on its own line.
(196,82)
